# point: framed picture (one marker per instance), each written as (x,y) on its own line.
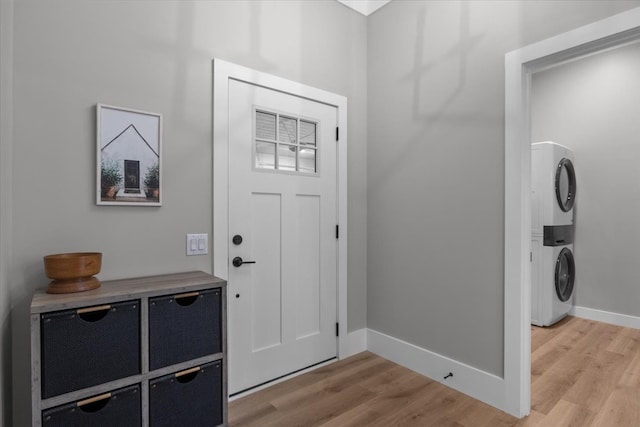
(129,157)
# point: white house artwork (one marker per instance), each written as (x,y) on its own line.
(129,156)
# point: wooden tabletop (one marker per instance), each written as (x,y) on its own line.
(126,289)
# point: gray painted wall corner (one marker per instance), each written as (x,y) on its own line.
(6,157)
(435,203)
(162,67)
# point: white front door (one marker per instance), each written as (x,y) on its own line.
(282,227)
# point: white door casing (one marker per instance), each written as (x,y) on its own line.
(520,64)
(237,89)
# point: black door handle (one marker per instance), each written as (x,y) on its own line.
(237,262)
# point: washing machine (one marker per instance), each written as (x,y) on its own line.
(553,186)
(553,273)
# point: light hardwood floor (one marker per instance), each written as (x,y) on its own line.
(583,373)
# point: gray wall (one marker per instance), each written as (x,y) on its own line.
(155,56)
(6,89)
(428,185)
(593,106)
(436,165)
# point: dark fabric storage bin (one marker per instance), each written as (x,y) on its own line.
(80,350)
(122,409)
(184,328)
(193,400)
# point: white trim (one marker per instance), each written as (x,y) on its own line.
(466,379)
(519,66)
(224,71)
(356,342)
(471,381)
(365,7)
(606,316)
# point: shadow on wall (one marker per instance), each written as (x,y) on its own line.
(457,52)
(254,56)
(190,53)
(185,51)
(438,79)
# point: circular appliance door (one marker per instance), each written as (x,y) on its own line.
(565,274)
(565,184)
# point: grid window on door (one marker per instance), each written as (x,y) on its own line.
(285,143)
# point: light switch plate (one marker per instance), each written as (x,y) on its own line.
(197,244)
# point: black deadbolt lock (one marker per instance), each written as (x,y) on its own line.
(237,239)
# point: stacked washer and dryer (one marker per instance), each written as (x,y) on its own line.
(553,191)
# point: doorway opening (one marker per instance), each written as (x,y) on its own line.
(520,65)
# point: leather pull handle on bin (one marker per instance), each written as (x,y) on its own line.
(93,399)
(93,309)
(187,295)
(187,372)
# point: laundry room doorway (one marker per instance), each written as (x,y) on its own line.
(520,65)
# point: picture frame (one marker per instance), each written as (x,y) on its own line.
(128,157)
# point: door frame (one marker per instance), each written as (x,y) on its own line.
(520,65)
(224,71)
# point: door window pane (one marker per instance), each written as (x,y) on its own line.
(287,157)
(265,125)
(288,130)
(285,143)
(307,160)
(265,155)
(307,133)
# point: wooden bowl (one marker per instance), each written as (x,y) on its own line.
(72,272)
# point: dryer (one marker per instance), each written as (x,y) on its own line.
(553,197)
(553,185)
(553,273)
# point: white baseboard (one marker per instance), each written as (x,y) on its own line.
(606,317)
(356,342)
(466,379)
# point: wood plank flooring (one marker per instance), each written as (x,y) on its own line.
(583,373)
